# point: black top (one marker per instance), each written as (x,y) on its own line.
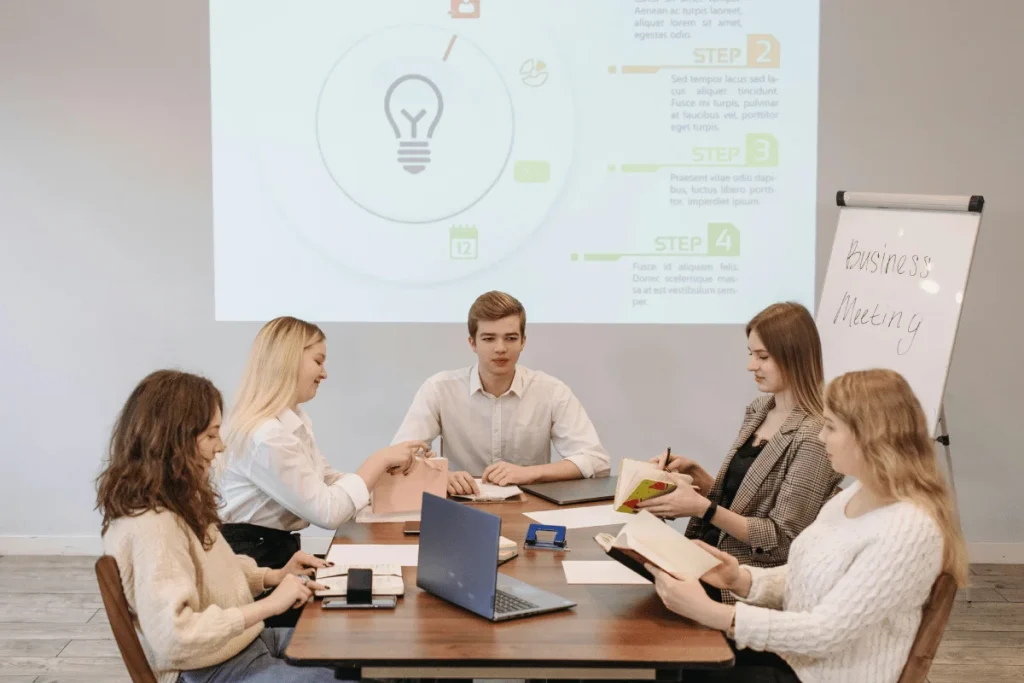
(738,466)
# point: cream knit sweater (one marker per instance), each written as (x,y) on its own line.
(184,599)
(847,606)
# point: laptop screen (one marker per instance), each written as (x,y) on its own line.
(458,555)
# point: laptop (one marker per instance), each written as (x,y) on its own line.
(574,491)
(458,562)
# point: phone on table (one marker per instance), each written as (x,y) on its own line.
(378,602)
(411,528)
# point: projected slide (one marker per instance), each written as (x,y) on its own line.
(606,161)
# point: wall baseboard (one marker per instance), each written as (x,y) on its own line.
(981,553)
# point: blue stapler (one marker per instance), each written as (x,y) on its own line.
(557,543)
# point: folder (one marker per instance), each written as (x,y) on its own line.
(398,492)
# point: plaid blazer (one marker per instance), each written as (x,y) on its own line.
(782,492)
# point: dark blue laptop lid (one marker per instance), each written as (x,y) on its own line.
(458,556)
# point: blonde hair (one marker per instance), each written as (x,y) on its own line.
(271,376)
(791,339)
(495,306)
(891,430)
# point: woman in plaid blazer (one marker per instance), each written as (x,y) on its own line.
(776,476)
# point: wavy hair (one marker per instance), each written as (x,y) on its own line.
(153,461)
(891,429)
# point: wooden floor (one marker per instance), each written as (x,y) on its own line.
(53,627)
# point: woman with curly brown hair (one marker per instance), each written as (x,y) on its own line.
(191,596)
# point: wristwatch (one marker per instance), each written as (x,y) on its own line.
(709,514)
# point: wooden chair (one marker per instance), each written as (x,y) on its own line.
(121,624)
(933,624)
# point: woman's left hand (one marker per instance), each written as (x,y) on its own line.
(687,598)
(301,564)
(683,502)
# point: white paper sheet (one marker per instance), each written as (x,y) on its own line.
(604,572)
(368,516)
(581,517)
(405,555)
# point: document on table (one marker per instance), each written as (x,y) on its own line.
(406,554)
(605,572)
(368,516)
(490,493)
(581,517)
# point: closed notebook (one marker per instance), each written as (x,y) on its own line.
(640,481)
(647,539)
(398,492)
(387,579)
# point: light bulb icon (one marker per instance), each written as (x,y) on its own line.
(403,98)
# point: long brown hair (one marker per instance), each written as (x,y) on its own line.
(791,339)
(154,461)
(891,430)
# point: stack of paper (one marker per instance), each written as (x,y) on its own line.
(387,579)
(580,517)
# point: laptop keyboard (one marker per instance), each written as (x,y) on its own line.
(506,602)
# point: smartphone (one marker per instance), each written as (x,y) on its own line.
(379,602)
(411,528)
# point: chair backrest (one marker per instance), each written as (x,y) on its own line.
(929,634)
(121,624)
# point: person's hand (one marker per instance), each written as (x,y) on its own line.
(301,564)
(401,456)
(687,598)
(293,592)
(682,502)
(507,474)
(727,574)
(461,484)
(701,479)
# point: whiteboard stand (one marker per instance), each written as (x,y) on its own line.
(943,438)
(909,256)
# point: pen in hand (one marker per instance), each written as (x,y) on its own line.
(668,456)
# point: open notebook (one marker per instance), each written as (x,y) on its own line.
(640,481)
(491,493)
(387,579)
(647,539)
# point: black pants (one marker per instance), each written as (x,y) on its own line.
(270,548)
(751,667)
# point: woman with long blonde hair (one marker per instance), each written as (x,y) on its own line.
(273,478)
(775,477)
(848,604)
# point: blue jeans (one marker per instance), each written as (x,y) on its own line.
(261,662)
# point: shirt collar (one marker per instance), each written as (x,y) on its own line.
(293,419)
(518,381)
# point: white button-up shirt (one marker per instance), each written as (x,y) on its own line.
(281,480)
(518,427)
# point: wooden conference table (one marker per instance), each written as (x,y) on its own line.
(614,632)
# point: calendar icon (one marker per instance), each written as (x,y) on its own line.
(462,242)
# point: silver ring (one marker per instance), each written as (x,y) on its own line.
(304,579)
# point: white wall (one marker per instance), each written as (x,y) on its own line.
(107,272)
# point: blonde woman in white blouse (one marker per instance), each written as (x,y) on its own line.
(272,477)
(847,606)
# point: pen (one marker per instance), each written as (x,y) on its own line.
(668,456)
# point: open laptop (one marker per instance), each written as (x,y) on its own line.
(574,491)
(458,562)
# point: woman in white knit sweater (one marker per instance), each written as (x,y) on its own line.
(192,597)
(848,604)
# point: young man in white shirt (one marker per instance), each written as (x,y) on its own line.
(498,420)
